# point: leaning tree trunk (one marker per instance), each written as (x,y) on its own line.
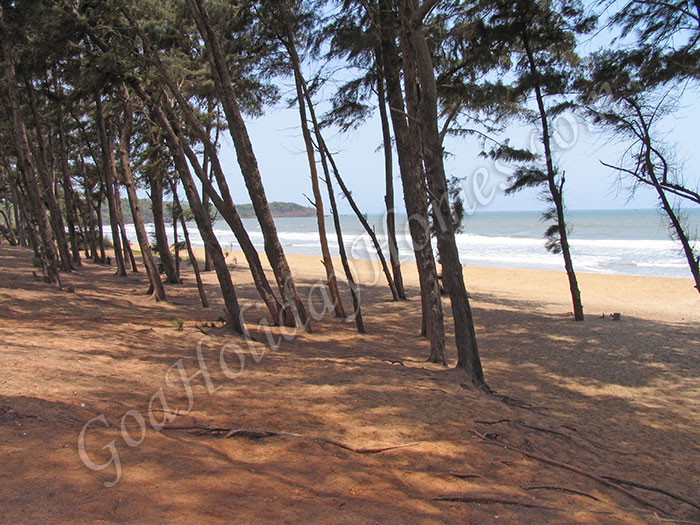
(226,207)
(233,314)
(418,63)
(326,154)
(68,194)
(248,163)
(161,235)
(126,245)
(43,167)
(108,184)
(48,252)
(188,244)
(318,199)
(414,191)
(354,288)
(389,195)
(156,284)
(555,190)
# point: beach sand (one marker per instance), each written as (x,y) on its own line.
(616,398)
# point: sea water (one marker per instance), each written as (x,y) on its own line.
(633,242)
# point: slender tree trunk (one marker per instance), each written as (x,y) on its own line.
(47,249)
(556,190)
(248,164)
(389,196)
(46,183)
(318,199)
(68,193)
(161,235)
(209,170)
(354,289)
(100,225)
(156,284)
(233,313)
(108,184)
(414,191)
(128,252)
(19,223)
(176,243)
(224,204)
(416,54)
(190,251)
(325,152)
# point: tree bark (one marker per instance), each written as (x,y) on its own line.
(47,248)
(233,314)
(414,190)
(389,195)
(318,199)
(281,314)
(555,190)
(175,144)
(68,195)
(416,54)
(248,163)
(108,184)
(156,284)
(43,168)
(161,235)
(190,251)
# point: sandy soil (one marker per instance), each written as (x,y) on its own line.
(609,398)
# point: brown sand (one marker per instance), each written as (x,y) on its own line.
(611,398)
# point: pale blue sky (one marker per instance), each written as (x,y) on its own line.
(279,147)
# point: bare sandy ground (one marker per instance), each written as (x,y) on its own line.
(607,398)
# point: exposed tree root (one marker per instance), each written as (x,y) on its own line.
(557,433)
(653,489)
(562,489)
(259,434)
(493,500)
(571,468)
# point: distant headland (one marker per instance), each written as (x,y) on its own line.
(278,209)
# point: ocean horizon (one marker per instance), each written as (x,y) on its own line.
(622,242)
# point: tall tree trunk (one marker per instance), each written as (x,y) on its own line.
(190,251)
(233,313)
(100,226)
(414,190)
(156,284)
(318,199)
(19,222)
(68,194)
(108,184)
(389,195)
(224,203)
(556,190)
(288,313)
(126,245)
(176,244)
(416,54)
(47,250)
(302,90)
(354,289)
(161,235)
(248,163)
(46,183)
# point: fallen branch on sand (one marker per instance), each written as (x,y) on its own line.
(259,434)
(571,468)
